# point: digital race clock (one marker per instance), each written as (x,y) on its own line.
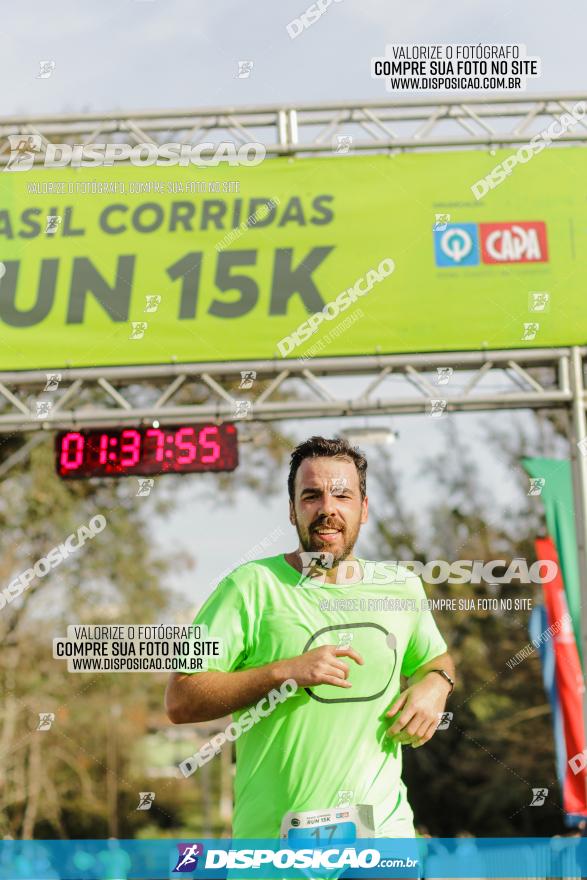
(146,451)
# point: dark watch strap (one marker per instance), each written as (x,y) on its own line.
(446,676)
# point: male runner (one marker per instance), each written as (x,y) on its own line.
(331,752)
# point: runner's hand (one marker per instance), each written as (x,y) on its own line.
(322,666)
(418,710)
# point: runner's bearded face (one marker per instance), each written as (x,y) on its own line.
(328,511)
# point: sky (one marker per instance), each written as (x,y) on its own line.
(134,55)
(161,54)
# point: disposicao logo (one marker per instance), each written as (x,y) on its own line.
(466,244)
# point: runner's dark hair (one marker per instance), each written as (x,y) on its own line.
(321,447)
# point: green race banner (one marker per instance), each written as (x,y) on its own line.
(557,495)
(345,255)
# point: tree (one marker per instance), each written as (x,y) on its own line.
(57,779)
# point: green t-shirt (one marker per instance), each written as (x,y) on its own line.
(325,740)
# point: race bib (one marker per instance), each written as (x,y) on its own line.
(342,824)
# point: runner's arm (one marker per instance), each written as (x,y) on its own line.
(443,661)
(205,696)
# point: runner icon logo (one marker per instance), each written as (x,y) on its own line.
(187,860)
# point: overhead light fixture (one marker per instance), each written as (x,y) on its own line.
(379,436)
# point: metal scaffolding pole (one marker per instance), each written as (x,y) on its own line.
(311,129)
(288,389)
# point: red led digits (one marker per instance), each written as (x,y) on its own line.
(72,451)
(145,451)
(103,456)
(160,435)
(130,447)
(187,448)
(214,449)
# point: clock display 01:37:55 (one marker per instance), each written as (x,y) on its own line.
(146,451)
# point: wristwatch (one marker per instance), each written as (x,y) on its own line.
(445,675)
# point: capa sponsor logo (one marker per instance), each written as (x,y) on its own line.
(513,242)
(467,244)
